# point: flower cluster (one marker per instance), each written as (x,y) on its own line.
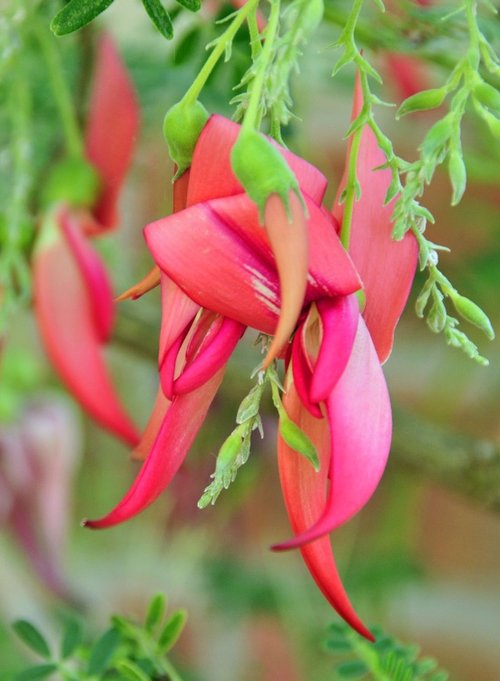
(221,272)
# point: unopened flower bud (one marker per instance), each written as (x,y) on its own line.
(182,126)
(422,101)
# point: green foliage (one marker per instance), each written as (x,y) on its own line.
(133,651)
(79,13)
(466,83)
(385,660)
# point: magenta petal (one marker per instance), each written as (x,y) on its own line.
(182,421)
(178,311)
(331,271)
(66,320)
(215,267)
(339,319)
(359,414)
(113,122)
(212,175)
(93,272)
(386,267)
(302,376)
(210,358)
(304,492)
(168,366)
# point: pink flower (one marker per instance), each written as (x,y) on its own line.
(221,272)
(73,295)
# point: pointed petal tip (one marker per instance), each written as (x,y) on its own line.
(146,284)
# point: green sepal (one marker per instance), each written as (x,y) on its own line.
(298,440)
(73,181)
(262,170)
(182,127)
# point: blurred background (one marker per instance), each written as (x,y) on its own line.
(421,560)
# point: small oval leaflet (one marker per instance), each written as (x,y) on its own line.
(76,14)
(160,17)
(30,635)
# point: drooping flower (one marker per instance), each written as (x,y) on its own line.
(220,273)
(73,295)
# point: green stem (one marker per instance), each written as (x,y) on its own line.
(72,134)
(222,43)
(253,29)
(252,115)
(351,189)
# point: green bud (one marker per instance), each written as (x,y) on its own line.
(472,313)
(437,137)
(311,16)
(423,297)
(182,126)
(74,181)
(488,95)
(436,320)
(458,175)
(250,404)
(298,440)
(422,101)
(261,169)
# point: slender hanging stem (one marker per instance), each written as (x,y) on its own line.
(220,47)
(253,113)
(62,97)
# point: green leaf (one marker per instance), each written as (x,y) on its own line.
(30,635)
(131,671)
(160,17)
(73,635)
(338,645)
(39,671)
(155,612)
(103,651)
(191,5)
(422,101)
(76,14)
(352,670)
(298,440)
(171,631)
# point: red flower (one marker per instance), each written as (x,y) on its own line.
(73,295)
(221,272)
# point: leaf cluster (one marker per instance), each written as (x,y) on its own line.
(79,13)
(385,660)
(126,650)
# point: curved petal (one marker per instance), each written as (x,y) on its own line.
(331,271)
(112,127)
(212,176)
(359,415)
(210,358)
(304,492)
(177,312)
(302,376)
(288,236)
(339,321)
(93,274)
(386,267)
(152,428)
(214,267)
(65,318)
(179,428)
